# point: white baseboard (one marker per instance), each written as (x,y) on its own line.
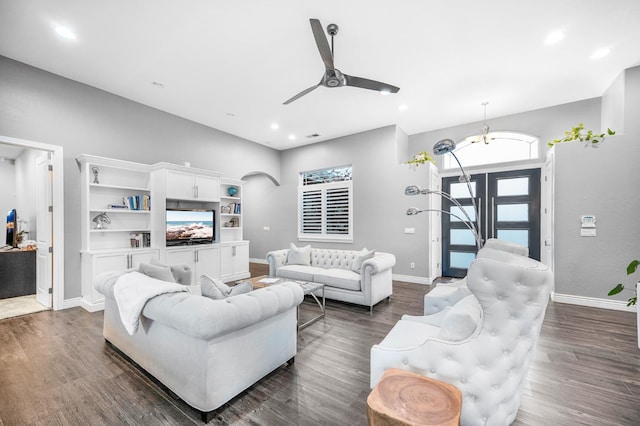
(72,303)
(91,307)
(617,305)
(263,261)
(412,279)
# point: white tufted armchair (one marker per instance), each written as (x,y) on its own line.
(483,344)
(445,295)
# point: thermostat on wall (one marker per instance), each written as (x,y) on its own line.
(588,228)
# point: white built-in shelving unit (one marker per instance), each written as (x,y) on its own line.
(136,235)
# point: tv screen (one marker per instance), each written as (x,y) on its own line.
(11,227)
(185,227)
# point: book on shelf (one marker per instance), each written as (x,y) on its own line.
(140,239)
(114,206)
(137,202)
(234,208)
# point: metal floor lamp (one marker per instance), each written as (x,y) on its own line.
(442,147)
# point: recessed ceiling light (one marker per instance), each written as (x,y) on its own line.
(384,92)
(292,137)
(403,107)
(275,126)
(157,84)
(65,32)
(554,37)
(601,53)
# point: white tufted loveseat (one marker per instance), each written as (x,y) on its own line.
(366,285)
(483,344)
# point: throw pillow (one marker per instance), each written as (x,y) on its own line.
(299,255)
(363,255)
(216,289)
(210,289)
(159,272)
(243,287)
(461,320)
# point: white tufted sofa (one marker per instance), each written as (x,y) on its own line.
(483,344)
(445,295)
(208,351)
(369,285)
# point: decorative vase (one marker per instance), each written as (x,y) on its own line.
(232,190)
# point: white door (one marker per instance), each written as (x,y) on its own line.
(180,186)
(435,248)
(241,259)
(208,262)
(186,256)
(138,257)
(547,211)
(207,188)
(44,238)
(226,261)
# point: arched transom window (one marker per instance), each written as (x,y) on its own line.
(496,147)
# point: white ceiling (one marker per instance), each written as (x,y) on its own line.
(231,64)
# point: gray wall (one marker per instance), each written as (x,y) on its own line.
(379,179)
(602,182)
(546,124)
(42,107)
(587,181)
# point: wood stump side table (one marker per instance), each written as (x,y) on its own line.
(405,398)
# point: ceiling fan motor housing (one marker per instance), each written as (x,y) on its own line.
(334,78)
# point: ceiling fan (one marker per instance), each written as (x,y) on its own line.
(332,76)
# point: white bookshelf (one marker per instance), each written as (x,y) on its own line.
(120,244)
(165,185)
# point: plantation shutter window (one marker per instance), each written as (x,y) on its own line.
(326,205)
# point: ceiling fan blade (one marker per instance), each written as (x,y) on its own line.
(322,43)
(365,83)
(301,94)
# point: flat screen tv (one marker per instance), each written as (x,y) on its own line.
(187,227)
(12,220)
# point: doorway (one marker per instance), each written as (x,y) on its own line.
(47,199)
(508,206)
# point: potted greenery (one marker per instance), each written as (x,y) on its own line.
(577,134)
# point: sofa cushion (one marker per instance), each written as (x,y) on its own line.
(159,272)
(363,255)
(181,272)
(299,255)
(297,272)
(338,278)
(461,320)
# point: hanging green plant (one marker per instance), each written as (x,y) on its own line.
(577,134)
(421,158)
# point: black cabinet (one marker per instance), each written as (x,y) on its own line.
(17,273)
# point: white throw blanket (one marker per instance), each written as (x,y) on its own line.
(133,290)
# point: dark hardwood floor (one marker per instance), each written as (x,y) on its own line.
(55,369)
